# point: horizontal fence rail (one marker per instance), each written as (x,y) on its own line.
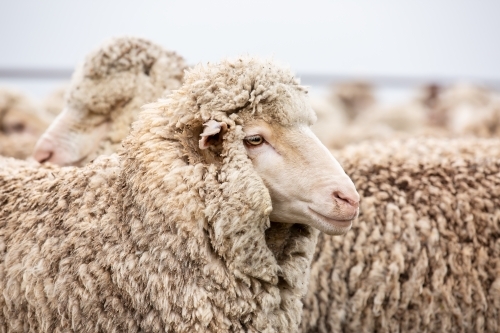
(394,81)
(312,79)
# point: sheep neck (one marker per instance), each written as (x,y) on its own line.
(277,237)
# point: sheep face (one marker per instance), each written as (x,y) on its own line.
(307,185)
(16,124)
(71,138)
(21,123)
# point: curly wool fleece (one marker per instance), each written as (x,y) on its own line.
(157,239)
(116,79)
(424,255)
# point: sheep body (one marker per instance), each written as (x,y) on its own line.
(157,239)
(424,254)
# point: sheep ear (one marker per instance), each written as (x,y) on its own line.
(212,133)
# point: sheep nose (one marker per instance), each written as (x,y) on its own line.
(43,152)
(42,156)
(351,199)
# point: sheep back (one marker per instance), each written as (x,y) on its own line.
(424,254)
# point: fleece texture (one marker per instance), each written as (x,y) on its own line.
(424,255)
(115,80)
(162,237)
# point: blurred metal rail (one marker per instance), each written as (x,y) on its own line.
(36,73)
(395,81)
(306,78)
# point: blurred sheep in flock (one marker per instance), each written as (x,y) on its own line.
(105,96)
(351,114)
(22,121)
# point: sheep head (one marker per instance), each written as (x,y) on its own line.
(104,98)
(305,183)
(21,124)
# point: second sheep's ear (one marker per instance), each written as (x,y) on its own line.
(212,134)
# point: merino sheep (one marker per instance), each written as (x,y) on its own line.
(462,104)
(104,98)
(424,255)
(21,124)
(356,97)
(177,234)
(345,103)
(383,123)
(487,125)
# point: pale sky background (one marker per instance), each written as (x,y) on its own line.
(397,38)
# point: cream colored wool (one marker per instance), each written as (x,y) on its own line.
(424,255)
(112,84)
(21,123)
(487,126)
(157,239)
(462,105)
(355,98)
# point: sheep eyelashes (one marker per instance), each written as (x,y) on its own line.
(212,133)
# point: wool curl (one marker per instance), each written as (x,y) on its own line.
(157,239)
(116,79)
(424,253)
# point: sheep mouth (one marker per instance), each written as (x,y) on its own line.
(337,223)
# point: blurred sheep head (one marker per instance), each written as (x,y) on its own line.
(104,97)
(21,124)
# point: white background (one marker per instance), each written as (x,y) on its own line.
(403,38)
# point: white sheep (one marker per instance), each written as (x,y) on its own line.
(178,233)
(355,97)
(104,98)
(462,104)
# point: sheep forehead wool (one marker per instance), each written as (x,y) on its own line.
(424,254)
(157,238)
(248,84)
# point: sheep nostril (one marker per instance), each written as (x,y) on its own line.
(43,156)
(339,196)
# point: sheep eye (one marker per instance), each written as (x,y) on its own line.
(14,128)
(254,140)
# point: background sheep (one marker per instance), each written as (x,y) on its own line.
(355,97)
(461,104)
(176,233)
(104,98)
(21,123)
(424,254)
(335,113)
